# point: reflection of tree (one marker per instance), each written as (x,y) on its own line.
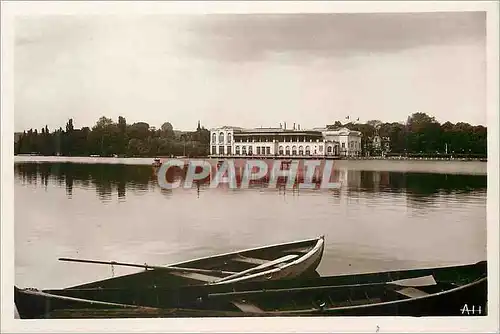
(418,187)
(428,184)
(108,179)
(105,178)
(69,184)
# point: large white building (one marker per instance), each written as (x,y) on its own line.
(270,142)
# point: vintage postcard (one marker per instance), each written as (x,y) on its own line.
(249,166)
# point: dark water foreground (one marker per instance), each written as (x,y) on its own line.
(378,220)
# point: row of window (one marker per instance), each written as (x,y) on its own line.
(221,138)
(259,150)
(221,150)
(281,139)
(352,145)
(293,151)
(266,150)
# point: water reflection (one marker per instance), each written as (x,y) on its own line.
(106,179)
(376,221)
(110,180)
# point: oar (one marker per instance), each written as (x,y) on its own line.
(49,296)
(426,281)
(146,266)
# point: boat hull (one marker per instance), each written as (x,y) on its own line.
(305,265)
(451,303)
(454,291)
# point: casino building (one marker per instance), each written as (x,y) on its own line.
(230,141)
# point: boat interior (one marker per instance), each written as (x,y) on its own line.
(326,298)
(223,267)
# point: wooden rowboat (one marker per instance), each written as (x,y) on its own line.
(423,292)
(275,262)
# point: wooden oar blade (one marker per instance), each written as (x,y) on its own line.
(417,281)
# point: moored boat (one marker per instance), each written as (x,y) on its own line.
(274,262)
(419,292)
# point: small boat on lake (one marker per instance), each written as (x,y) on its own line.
(275,262)
(444,291)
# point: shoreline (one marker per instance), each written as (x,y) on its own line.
(410,165)
(397,158)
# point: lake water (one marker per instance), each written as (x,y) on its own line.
(387,215)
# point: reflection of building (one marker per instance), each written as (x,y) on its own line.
(265,142)
(350,178)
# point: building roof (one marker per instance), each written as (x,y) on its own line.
(226,127)
(288,132)
(238,131)
(257,131)
(263,130)
(341,131)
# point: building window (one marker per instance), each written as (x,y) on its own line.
(294,150)
(301,150)
(249,150)
(214,150)
(308,150)
(229,150)
(343,145)
(221,138)
(221,150)
(258,150)
(281,150)
(329,149)
(244,150)
(229,138)
(237,150)
(268,150)
(287,150)
(214,138)
(320,148)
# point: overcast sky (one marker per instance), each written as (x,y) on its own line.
(249,70)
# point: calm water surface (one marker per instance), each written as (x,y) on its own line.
(379,219)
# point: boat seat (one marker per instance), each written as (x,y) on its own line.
(250,260)
(411,292)
(247,307)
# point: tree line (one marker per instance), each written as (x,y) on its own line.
(109,138)
(421,134)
